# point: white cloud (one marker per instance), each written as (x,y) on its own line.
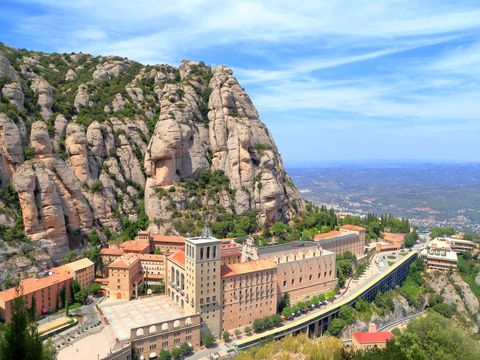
(180,25)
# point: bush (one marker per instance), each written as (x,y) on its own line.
(208,339)
(186,349)
(164,355)
(346,314)
(28,152)
(226,336)
(336,326)
(176,353)
(96,186)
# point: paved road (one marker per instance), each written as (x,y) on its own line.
(89,323)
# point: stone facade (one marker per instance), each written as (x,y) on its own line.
(249,292)
(125,276)
(304,268)
(166,335)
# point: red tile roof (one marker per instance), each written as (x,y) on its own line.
(125,261)
(169,239)
(393,237)
(178,258)
(135,246)
(352,227)
(152,257)
(230,249)
(328,235)
(248,267)
(111,251)
(31,285)
(373,337)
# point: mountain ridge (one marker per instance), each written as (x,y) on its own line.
(107,144)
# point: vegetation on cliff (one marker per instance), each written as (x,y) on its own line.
(429,337)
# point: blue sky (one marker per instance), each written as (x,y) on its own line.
(333,80)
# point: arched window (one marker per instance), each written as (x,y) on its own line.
(176,323)
(139,332)
(152,329)
(164,326)
(188,321)
(208,252)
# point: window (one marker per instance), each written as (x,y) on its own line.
(165,344)
(153,347)
(176,341)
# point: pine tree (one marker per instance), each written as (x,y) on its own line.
(19,339)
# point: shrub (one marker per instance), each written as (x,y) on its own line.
(208,339)
(336,326)
(28,152)
(96,186)
(226,336)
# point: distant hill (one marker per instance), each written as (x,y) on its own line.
(430,194)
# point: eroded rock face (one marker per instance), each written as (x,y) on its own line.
(11,155)
(40,140)
(6,69)
(239,142)
(50,196)
(14,93)
(70,75)
(471,301)
(43,91)
(109,70)
(76,145)
(81,98)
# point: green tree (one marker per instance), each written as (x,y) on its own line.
(411,239)
(208,339)
(435,337)
(185,348)
(164,355)
(176,353)
(81,296)
(226,336)
(19,339)
(346,314)
(362,306)
(283,303)
(75,287)
(336,326)
(94,288)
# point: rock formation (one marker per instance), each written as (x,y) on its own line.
(116,136)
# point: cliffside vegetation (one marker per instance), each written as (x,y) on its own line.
(426,338)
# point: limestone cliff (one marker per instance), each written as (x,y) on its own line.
(98,143)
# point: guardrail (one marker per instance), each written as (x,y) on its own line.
(299,324)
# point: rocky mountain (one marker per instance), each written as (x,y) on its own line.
(105,144)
